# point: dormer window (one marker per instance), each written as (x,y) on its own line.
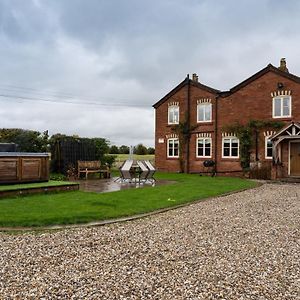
(204,112)
(173,114)
(282,107)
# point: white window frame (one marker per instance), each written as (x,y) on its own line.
(281,107)
(168,148)
(203,156)
(206,104)
(171,109)
(267,138)
(230,147)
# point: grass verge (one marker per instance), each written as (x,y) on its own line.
(81,207)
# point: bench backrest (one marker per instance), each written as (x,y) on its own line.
(91,165)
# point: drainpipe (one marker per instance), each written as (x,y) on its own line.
(188,122)
(216,133)
(256,145)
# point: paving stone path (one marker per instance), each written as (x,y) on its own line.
(241,246)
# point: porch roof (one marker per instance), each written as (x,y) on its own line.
(291,131)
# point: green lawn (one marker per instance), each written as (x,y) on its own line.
(11,187)
(79,207)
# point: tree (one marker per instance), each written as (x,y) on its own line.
(27,140)
(151,151)
(109,160)
(140,149)
(124,149)
(102,147)
(114,149)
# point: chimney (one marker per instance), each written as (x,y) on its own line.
(195,77)
(282,66)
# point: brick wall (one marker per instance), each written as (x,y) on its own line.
(250,102)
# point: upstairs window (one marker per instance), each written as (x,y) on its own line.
(173,114)
(230,147)
(203,147)
(282,107)
(173,147)
(204,112)
(268,148)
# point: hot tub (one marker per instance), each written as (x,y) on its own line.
(18,167)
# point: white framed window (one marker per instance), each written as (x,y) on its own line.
(203,147)
(230,147)
(282,106)
(173,114)
(173,147)
(204,112)
(268,148)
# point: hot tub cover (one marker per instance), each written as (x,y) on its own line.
(18,154)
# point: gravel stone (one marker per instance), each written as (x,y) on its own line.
(241,246)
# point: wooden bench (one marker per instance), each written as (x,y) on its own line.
(93,166)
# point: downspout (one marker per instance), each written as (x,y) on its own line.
(188,122)
(216,134)
(256,145)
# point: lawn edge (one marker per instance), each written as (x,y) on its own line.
(121,219)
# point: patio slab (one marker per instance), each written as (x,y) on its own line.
(110,185)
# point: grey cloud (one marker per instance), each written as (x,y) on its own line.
(133,52)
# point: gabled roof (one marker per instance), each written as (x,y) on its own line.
(181,85)
(285,130)
(268,68)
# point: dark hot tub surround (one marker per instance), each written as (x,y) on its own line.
(18,167)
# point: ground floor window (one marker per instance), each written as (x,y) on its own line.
(268,148)
(203,147)
(173,147)
(230,147)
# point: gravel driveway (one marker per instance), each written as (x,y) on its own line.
(242,246)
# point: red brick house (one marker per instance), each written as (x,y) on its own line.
(270,99)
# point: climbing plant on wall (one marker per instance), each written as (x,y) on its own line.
(184,130)
(248,134)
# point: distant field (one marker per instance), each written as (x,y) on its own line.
(122,157)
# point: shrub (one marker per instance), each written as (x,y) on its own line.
(109,160)
(263,172)
(57,176)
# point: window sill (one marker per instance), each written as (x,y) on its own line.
(205,123)
(282,118)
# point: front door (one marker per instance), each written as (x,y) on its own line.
(295,159)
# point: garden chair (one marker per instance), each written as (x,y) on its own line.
(152,170)
(143,171)
(125,171)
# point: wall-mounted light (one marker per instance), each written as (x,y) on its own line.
(280,85)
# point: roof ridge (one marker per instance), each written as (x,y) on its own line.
(234,89)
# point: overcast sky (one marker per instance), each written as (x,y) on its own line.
(96,67)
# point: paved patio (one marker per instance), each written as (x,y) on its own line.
(110,185)
(241,246)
